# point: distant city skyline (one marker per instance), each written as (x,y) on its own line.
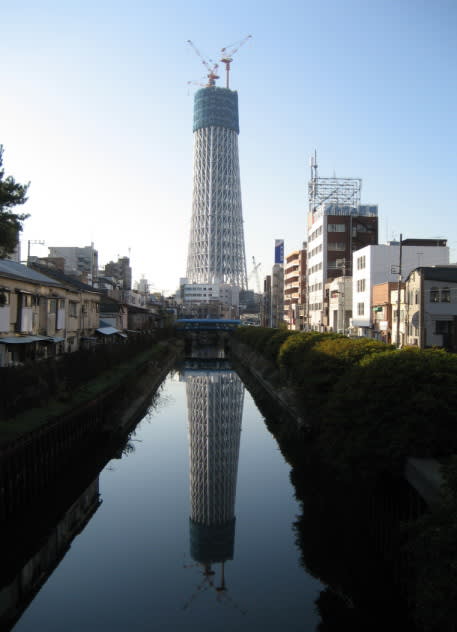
(96,113)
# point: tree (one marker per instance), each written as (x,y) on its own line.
(11,194)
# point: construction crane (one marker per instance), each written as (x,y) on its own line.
(255,273)
(212,69)
(227,56)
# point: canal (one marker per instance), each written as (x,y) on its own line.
(191,525)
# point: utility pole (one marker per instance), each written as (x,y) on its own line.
(397,342)
(343,265)
(33,241)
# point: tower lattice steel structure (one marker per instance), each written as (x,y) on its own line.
(216,251)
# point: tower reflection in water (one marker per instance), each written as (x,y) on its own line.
(215,396)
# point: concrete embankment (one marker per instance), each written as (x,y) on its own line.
(255,369)
(33,460)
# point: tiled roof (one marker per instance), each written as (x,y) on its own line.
(14,270)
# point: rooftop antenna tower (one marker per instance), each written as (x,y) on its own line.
(337,191)
(227,57)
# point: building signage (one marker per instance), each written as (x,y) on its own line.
(279,250)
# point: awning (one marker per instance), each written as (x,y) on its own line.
(108,331)
(22,340)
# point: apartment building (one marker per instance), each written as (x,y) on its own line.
(295,288)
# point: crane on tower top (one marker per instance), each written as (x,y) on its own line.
(209,64)
(227,56)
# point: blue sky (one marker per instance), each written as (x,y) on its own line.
(96,111)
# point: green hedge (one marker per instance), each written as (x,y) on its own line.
(375,405)
(391,406)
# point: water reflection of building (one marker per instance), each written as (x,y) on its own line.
(215,405)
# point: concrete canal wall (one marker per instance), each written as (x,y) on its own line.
(33,461)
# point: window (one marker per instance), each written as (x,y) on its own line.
(336,228)
(337,246)
(27,300)
(361,285)
(52,306)
(434,295)
(443,327)
(361,263)
(4,298)
(360,309)
(445,295)
(73,309)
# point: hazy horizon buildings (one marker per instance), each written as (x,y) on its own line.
(81,262)
(216,252)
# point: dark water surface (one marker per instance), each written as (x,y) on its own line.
(195,527)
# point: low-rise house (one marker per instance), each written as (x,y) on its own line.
(42,313)
(384,302)
(140,319)
(82,308)
(338,304)
(31,321)
(431,307)
(114,313)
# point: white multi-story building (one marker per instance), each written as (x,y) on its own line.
(334,232)
(210,292)
(380,264)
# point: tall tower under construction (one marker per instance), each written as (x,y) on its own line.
(216,253)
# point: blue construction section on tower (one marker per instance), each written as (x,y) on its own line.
(218,107)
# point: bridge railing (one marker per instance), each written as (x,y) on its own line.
(206,324)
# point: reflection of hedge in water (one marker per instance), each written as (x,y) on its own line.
(432,546)
(352,542)
(376,406)
(332,534)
